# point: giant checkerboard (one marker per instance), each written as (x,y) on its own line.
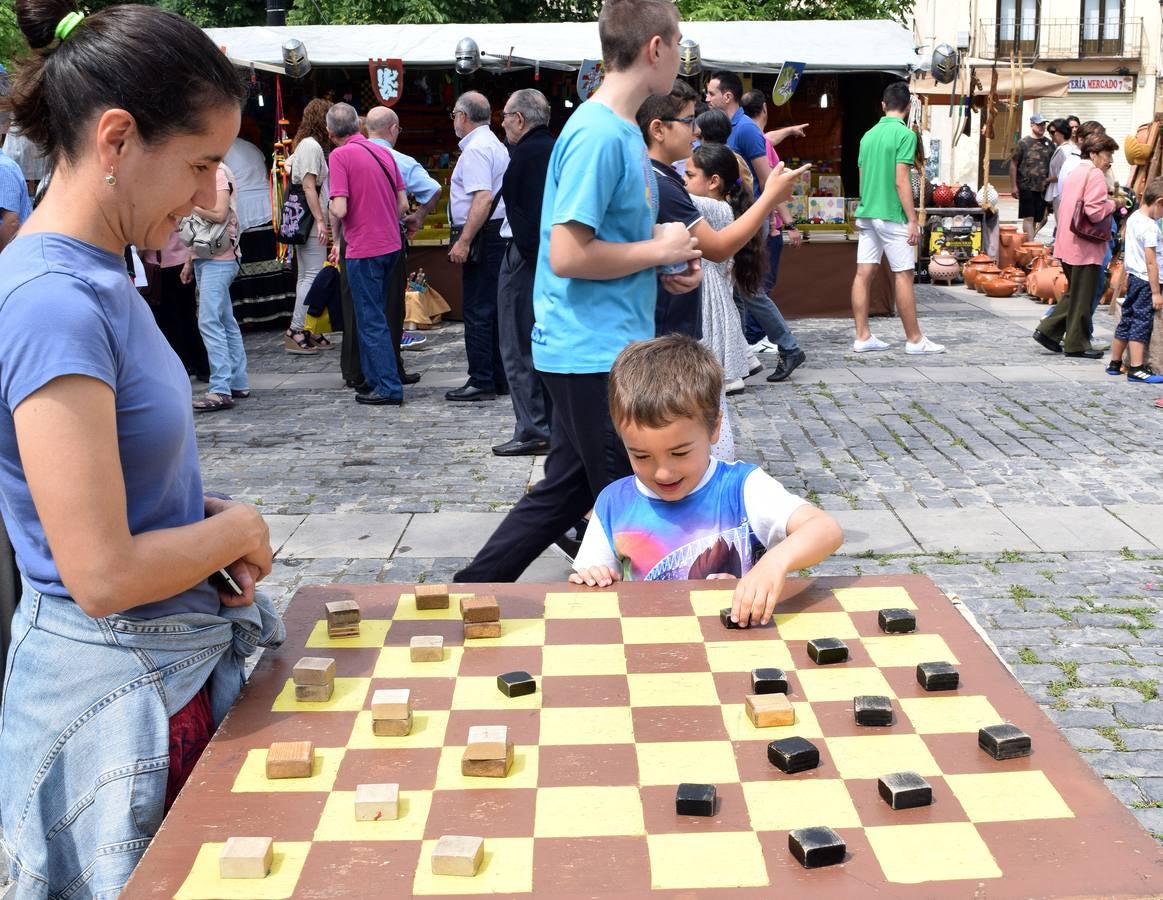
(641,688)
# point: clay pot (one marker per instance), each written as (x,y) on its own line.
(975,263)
(1000,287)
(943,195)
(943,267)
(1048,284)
(1009,242)
(982,274)
(1028,251)
(965,197)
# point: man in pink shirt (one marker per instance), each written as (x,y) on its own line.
(368,199)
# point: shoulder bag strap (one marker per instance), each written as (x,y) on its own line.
(380,162)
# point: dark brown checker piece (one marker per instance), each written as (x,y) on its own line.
(516,684)
(817,846)
(872,710)
(938,676)
(896,621)
(1034,857)
(1004,741)
(725,618)
(695,800)
(825,651)
(793,754)
(905,790)
(768,681)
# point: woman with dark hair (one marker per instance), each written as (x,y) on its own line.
(125,654)
(1084,193)
(713,126)
(308,167)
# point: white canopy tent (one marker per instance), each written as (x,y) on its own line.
(824,46)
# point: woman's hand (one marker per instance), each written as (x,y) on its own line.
(321,231)
(187,273)
(252,531)
(792,237)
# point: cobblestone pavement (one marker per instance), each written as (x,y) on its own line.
(1024,483)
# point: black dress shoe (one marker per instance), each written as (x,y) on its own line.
(410,378)
(468,392)
(364,387)
(522,448)
(371,398)
(1049,343)
(788,363)
(1085,354)
(503,391)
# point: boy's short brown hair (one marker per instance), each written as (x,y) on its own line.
(655,382)
(1153,191)
(625,26)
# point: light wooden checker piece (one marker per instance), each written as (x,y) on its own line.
(615,728)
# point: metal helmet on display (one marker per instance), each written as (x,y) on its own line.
(295,61)
(945,62)
(690,61)
(468,56)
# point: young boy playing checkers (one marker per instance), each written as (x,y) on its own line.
(684,514)
(1141,255)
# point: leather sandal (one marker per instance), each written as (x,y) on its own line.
(213,403)
(299,343)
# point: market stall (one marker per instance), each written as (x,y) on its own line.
(846,65)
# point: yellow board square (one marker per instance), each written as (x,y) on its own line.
(908,649)
(507,868)
(740,728)
(586,725)
(338,822)
(406,609)
(522,774)
(578,605)
(428,727)
(583,659)
(952,851)
(805,626)
(706,860)
(480,692)
(661,630)
(396,662)
(1008,796)
(710,603)
(822,683)
(673,762)
(588,811)
(787,804)
(252,777)
(204,883)
(868,756)
(874,599)
(349,696)
(516,633)
(372,633)
(673,689)
(743,656)
(949,715)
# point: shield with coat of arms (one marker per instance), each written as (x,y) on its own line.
(387,77)
(589,77)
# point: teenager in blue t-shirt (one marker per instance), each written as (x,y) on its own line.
(684,514)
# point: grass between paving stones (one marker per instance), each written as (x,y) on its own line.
(1128,553)
(1149,689)
(1020,594)
(1047,574)
(1111,734)
(1028,656)
(1059,686)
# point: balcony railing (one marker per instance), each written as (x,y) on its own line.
(1063,39)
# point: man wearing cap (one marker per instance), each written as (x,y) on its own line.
(1029,169)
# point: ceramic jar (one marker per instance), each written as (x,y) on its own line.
(1048,284)
(1028,251)
(964,197)
(999,287)
(984,273)
(943,267)
(969,270)
(943,195)
(1009,241)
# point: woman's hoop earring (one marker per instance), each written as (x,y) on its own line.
(111,179)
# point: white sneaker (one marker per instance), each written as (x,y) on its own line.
(753,366)
(924,345)
(735,387)
(763,346)
(873,343)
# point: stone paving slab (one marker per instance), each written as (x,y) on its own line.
(959,374)
(964,530)
(1146,519)
(448,533)
(873,530)
(281,528)
(1066,528)
(348,535)
(891,375)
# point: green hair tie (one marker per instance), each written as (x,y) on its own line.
(67,25)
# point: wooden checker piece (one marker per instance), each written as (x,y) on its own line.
(458,855)
(392,703)
(342,618)
(426,648)
(246,857)
(475,630)
(431,596)
(480,609)
(768,681)
(315,670)
(766,710)
(616,724)
(377,802)
(314,693)
(290,759)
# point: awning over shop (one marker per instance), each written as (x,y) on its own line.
(824,46)
(1024,83)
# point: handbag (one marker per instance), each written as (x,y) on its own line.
(296,221)
(476,249)
(1098,232)
(208,239)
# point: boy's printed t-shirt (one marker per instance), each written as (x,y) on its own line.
(600,176)
(717,529)
(888,142)
(1142,232)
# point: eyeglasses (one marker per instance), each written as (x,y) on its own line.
(455,113)
(685,120)
(505,114)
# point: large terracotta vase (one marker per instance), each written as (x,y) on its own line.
(985,273)
(1028,251)
(943,267)
(1048,284)
(969,271)
(1009,242)
(1014,274)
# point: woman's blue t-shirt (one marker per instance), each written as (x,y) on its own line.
(69,308)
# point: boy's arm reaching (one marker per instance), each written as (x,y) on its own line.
(596,563)
(812,536)
(576,252)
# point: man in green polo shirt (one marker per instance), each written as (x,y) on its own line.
(886,222)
